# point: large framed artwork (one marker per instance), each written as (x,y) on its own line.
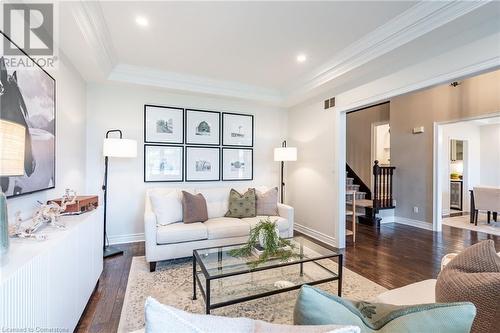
(163,163)
(202,164)
(163,124)
(202,127)
(28,98)
(237,164)
(237,129)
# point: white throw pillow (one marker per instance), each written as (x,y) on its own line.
(217,200)
(166,319)
(167,207)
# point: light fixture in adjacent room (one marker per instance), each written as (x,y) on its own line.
(12,146)
(301,58)
(284,154)
(121,148)
(142,21)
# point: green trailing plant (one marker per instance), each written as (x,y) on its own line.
(274,246)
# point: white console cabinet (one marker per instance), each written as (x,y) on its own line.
(45,285)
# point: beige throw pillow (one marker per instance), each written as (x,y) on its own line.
(194,207)
(474,276)
(267,202)
(241,205)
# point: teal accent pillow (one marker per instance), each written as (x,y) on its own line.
(316,307)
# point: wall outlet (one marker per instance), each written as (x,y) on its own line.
(415,210)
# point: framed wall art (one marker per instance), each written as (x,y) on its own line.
(202,164)
(237,129)
(237,164)
(28,99)
(202,127)
(163,124)
(163,163)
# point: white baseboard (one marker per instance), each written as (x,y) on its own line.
(413,223)
(315,234)
(123,239)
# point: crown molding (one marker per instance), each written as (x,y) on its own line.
(190,83)
(90,20)
(409,25)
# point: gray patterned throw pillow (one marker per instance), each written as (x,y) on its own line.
(241,205)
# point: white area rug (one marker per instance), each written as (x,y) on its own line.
(482,224)
(172,284)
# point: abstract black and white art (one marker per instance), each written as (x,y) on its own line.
(163,124)
(237,129)
(202,164)
(27,97)
(202,127)
(237,164)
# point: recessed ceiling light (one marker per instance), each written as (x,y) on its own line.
(301,58)
(142,21)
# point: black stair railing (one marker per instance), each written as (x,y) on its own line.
(382,187)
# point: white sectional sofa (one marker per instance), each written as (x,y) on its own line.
(178,239)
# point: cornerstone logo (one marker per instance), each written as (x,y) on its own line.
(31,27)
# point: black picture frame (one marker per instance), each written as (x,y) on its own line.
(219,124)
(187,179)
(224,114)
(182,163)
(224,149)
(54,179)
(182,110)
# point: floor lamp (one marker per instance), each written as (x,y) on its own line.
(114,147)
(284,154)
(12,145)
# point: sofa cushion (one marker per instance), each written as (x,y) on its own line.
(267,202)
(281,222)
(217,200)
(474,276)
(167,206)
(316,307)
(181,232)
(167,319)
(225,227)
(241,205)
(421,292)
(194,207)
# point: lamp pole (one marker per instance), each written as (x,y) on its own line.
(108,250)
(283,145)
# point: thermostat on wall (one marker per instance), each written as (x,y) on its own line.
(418,130)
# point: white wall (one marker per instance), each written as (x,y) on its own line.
(451,64)
(470,133)
(117,106)
(490,155)
(70,140)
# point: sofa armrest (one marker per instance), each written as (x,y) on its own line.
(150,229)
(286,212)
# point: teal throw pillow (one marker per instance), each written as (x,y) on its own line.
(316,307)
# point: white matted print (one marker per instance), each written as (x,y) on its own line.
(237,164)
(202,164)
(163,163)
(237,129)
(202,127)
(163,124)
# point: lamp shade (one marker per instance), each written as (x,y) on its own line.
(12,145)
(113,147)
(285,154)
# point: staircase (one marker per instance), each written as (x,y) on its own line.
(367,204)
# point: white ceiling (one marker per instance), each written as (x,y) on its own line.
(245,49)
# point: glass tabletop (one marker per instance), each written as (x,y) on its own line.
(218,262)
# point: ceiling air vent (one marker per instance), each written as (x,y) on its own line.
(329,103)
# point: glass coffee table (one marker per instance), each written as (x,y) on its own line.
(226,280)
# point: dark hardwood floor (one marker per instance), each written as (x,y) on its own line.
(393,256)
